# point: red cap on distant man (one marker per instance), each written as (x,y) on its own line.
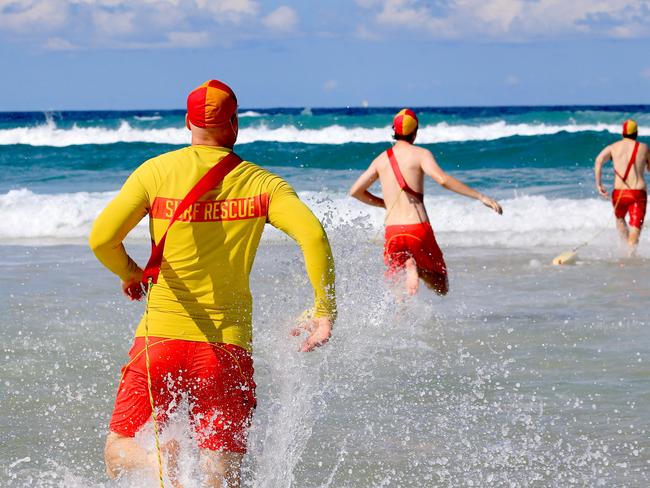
(212,104)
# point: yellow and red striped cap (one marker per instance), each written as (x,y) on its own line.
(405,122)
(212,104)
(629,127)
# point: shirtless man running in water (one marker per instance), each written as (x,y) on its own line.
(630,158)
(410,243)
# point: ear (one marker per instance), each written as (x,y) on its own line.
(187,122)
(234,123)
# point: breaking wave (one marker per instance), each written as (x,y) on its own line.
(528,221)
(49,134)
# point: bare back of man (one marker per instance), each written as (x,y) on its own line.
(404,204)
(630,160)
(403,207)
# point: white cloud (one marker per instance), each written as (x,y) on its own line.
(114,22)
(228,10)
(281,19)
(645,73)
(512,80)
(514,20)
(126,23)
(188,39)
(58,44)
(367,34)
(25,15)
(330,85)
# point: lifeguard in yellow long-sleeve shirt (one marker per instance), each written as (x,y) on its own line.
(200,310)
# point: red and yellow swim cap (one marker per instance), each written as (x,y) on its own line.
(212,104)
(405,122)
(629,127)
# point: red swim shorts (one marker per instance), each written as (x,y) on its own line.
(633,202)
(413,241)
(217,379)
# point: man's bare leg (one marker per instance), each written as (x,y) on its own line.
(623,231)
(222,469)
(123,455)
(412,278)
(633,240)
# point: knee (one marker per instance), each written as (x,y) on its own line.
(220,467)
(410,263)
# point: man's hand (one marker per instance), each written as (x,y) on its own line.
(601,190)
(493,204)
(319,330)
(133,287)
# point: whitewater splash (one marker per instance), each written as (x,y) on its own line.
(140,118)
(49,134)
(528,221)
(249,113)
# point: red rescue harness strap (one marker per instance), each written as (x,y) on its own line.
(630,164)
(400,178)
(209,181)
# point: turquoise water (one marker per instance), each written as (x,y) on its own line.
(525,375)
(74,160)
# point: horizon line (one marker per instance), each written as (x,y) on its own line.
(343,107)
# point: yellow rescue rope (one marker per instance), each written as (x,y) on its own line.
(151,402)
(570,257)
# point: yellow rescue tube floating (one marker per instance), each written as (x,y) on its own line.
(567,257)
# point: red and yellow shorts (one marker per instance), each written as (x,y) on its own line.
(216,378)
(633,202)
(413,241)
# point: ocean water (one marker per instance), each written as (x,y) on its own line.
(525,375)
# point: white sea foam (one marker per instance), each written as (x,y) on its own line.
(49,134)
(249,113)
(528,221)
(147,118)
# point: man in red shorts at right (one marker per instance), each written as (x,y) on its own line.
(630,196)
(410,244)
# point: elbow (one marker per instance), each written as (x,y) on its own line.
(95,244)
(317,240)
(316,246)
(443,181)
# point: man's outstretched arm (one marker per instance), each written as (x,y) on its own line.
(604,156)
(431,168)
(289,214)
(359,189)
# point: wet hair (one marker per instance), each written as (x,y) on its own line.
(409,138)
(632,136)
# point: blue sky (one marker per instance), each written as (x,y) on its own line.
(147,54)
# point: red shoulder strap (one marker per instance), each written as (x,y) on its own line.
(630,164)
(210,180)
(400,178)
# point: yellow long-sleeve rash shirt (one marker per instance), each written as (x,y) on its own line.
(203,291)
